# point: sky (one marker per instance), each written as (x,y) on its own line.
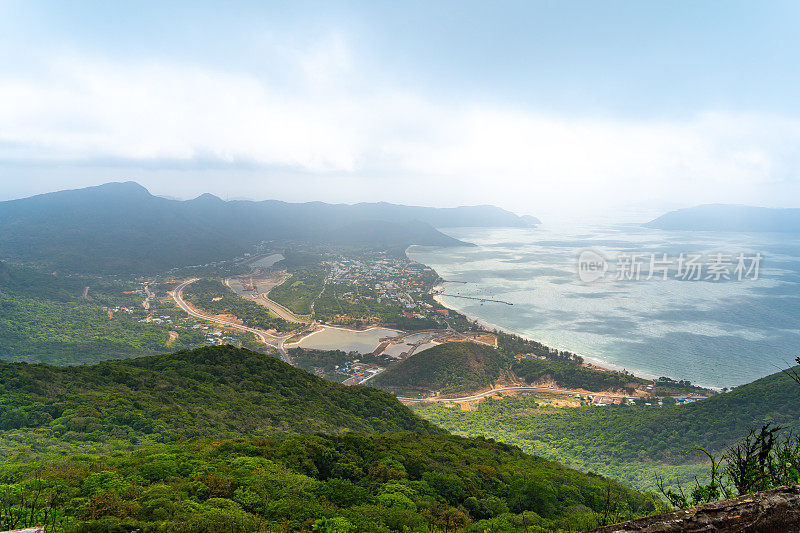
(598,109)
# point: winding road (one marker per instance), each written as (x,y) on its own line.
(282,311)
(481,395)
(267,338)
(277,342)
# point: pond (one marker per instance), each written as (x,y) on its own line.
(346,340)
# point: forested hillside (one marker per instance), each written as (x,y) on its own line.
(46,318)
(122,228)
(629,441)
(572,375)
(104,448)
(450,368)
(213,391)
(408,482)
(723,217)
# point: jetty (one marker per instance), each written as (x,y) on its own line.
(478,298)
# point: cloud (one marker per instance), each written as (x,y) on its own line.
(331,120)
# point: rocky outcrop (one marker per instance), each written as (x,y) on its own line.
(776,510)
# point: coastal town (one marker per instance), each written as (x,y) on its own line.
(376,309)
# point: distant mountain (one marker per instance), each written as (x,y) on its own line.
(722,217)
(450,368)
(122,228)
(210,392)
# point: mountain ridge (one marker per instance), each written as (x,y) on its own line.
(120,227)
(192,393)
(730,217)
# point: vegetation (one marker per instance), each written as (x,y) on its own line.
(761,461)
(566,369)
(359,306)
(46,318)
(326,483)
(213,296)
(137,472)
(572,375)
(511,345)
(212,391)
(631,443)
(324,363)
(121,228)
(299,291)
(449,368)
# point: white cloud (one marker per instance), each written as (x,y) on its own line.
(334,123)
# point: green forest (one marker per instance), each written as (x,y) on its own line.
(380,483)
(450,368)
(572,375)
(213,391)
(126,445)
(46,318)
(630,443)
(213,296)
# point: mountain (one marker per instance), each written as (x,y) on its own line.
(358,483)
(212,391)
(531,220)
(122,228)
(117,227)
(62,319)
(440,217)
(449,368)
(221,439)
(722,217)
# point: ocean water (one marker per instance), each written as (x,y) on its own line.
(717,333)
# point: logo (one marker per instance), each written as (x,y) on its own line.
(591,266)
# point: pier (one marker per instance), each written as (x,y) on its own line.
(476,298)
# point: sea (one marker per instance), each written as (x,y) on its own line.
(718,309)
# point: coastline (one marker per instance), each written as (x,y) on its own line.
(595,361)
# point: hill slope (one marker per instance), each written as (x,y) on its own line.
(46,318)
(213,391)
(375,483)
(121,227)
(342,482)
(627,441)
(450,368)
(721,217)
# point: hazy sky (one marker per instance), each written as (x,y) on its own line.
(547,108)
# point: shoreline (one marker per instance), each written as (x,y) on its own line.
(595,361)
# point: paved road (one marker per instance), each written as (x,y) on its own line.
(282,311)
(275,307)
(267,338)
(506,389)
